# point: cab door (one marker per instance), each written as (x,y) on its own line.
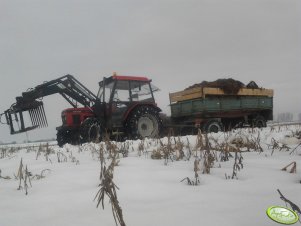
(120,103)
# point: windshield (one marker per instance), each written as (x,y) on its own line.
(142,90)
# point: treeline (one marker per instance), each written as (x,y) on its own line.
(28,141)
(41,140)
(287,117)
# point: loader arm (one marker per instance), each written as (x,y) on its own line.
(67,86)
(70,88)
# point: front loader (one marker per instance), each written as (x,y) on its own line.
(124,108)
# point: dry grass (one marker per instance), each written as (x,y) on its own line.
(23,176)
(157,154)
(174,149)
(107,185)
(293,166)
(8,152)
(44,149)
(61,157)
(141,147)
(196,168)
(165,151)
(206,152)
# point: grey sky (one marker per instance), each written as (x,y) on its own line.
(176,43)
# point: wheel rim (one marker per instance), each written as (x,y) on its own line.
(259,124)
(214,129)
(147,126)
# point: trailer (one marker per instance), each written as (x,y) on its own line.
(212,109)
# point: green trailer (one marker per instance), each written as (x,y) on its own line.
(213,110)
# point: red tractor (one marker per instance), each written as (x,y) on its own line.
(124,108)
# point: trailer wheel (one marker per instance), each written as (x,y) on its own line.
(143,122)
(90,130)
(259,122)
(213,126)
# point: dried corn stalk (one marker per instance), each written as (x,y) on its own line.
(108,187)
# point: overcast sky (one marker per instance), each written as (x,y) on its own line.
(174,42)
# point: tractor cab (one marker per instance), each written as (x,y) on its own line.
(119,88)
(121,94)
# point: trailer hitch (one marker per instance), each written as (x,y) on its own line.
(14,116)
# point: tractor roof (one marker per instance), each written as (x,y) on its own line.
(130,78)
(124,78)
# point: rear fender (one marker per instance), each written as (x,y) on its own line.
(133,107)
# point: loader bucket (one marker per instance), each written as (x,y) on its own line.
(15,118)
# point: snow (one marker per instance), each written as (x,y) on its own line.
(150,191)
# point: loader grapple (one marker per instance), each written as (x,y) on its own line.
(15,118)
(38,116)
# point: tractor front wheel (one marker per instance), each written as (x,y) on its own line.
(90,131)
(65,136)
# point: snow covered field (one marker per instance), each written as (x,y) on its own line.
(65,181)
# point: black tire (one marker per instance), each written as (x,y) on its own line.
(213,126)
(65,136)
(259,122)
(144,121)
(90,131)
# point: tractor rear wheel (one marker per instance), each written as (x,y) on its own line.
(144,121)
(90,131)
